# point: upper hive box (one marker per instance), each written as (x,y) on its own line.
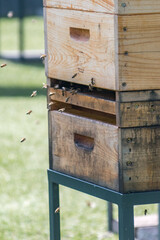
(110,44)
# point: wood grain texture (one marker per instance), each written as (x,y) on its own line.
(139,71)
(74,59)
(108,6)
(98,164)
(84,100)
(141,159)
(139,114)
(137,96)
(138,6)
(139,48)
(139,33)
(83,5)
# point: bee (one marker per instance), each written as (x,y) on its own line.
(22,140)
(75,75)
(43,56)
(56,86)
(93,81)
(52,93)
(29,112)
(63,91)
(90,87)
(50,104)
(67,99)
(145,212)
(10,14)
(61,110)
(44,85)
(3,65)
(57,210)
(34,94)
(74,92)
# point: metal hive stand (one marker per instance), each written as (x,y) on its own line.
(125,202)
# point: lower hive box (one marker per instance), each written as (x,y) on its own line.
(92,147)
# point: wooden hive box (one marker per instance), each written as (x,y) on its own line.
(114,43)
(103,75)
(110,140)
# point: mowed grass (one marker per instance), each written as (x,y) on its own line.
(33,33)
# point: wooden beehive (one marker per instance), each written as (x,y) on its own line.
(117,44)
(103,75)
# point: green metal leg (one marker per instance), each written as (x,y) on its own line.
(110,217)
(126,221)
(54,216)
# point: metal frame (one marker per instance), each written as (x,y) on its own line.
(125,202)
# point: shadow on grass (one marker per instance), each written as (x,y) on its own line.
(21,91)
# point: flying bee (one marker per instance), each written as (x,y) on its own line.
(44,85)
(22,140)
(43,56)
(29,112)
(10,14)
(61,110)
(52,93)
(3,65)
(145,212)
(57,210)
(34,94)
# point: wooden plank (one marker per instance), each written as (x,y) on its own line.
(139,114)
(108,6)
(83,5)
(139,47)
(92,156)
(138,96)
(141,159)
(139,33)
(138,6)
(139,71)
(87,100)
(83,46)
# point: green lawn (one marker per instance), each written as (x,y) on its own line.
(23,178)
(33,33)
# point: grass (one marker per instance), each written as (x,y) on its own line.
(9,33)
(23,179)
